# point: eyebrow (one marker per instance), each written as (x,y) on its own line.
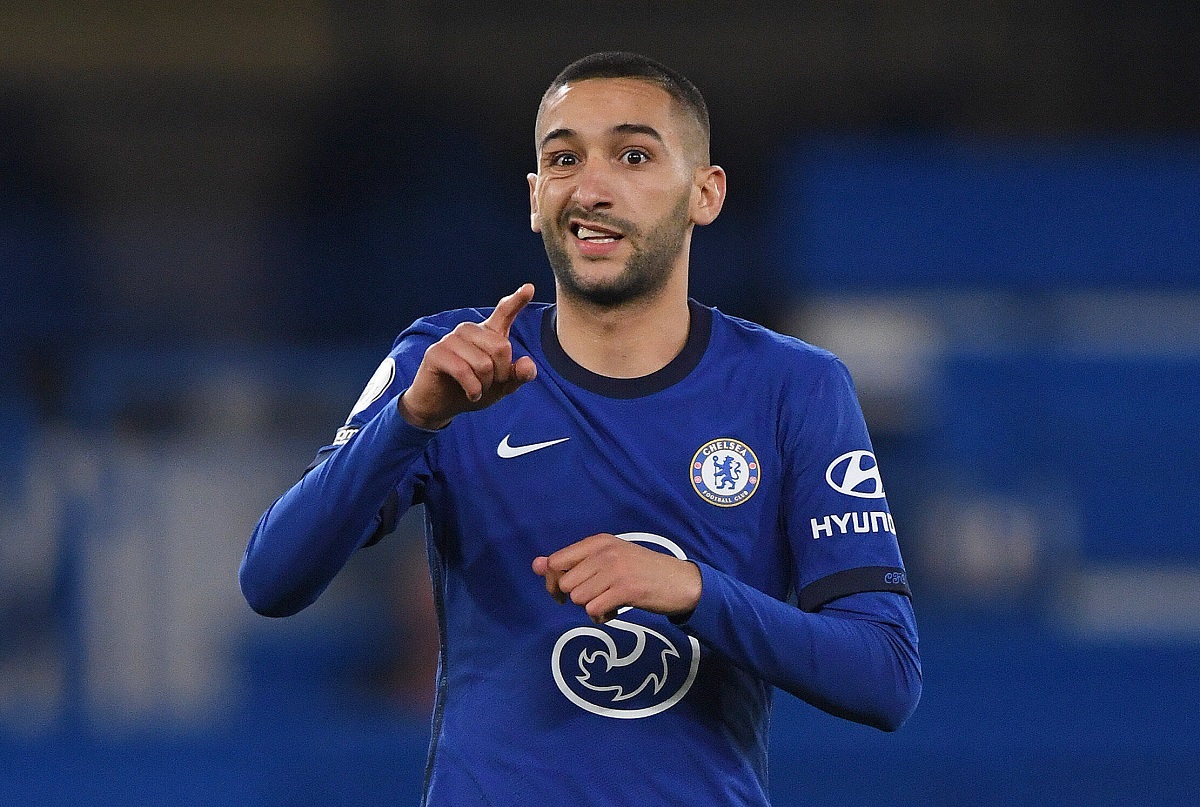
(621,128)
(638,128)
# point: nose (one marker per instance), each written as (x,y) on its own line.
(593,185)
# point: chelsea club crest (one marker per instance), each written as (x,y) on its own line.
(725,472)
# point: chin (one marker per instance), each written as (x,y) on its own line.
(608,282)
(611,292)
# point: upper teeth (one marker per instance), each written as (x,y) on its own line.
(585,232)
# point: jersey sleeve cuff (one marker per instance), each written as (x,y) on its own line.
(707,616)
(852,581)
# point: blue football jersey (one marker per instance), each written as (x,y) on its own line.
(747,454)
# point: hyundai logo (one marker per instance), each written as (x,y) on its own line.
(855,473)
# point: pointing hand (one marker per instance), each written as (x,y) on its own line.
(469,368)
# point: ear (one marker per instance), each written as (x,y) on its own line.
(533,203)
(708,194)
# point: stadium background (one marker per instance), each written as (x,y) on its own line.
(214,219)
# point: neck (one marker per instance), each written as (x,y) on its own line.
(627,341)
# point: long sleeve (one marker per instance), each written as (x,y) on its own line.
(849,643)
(856,658)
(305,538)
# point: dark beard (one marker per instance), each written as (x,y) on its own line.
(646,271)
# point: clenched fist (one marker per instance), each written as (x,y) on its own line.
(603,573)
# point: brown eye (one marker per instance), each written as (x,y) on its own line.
(634,157)
(565,160)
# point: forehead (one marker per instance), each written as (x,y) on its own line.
(594,106)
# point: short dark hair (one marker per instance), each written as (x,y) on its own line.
(623,64)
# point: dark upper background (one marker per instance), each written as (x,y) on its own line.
(204,162)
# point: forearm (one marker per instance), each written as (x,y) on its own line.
(856,659)
(305,538)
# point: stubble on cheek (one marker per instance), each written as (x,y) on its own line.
(645,273)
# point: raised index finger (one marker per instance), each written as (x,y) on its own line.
(507,309)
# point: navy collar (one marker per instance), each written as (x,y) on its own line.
(676,370)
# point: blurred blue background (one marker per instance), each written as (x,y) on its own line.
(214,220)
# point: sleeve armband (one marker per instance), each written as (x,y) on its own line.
(853,581)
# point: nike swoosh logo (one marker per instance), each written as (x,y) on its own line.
(508,452)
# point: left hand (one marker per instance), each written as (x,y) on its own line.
(604,573)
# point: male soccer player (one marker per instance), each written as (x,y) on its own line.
(642,514)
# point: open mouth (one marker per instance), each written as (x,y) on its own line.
(594,234)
